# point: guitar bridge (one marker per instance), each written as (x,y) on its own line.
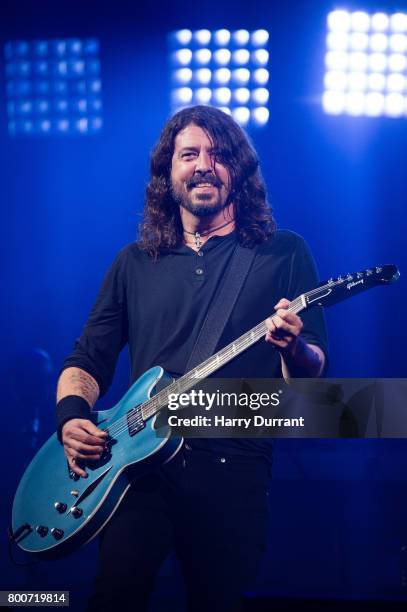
(135,421)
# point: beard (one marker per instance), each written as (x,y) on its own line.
(203,206)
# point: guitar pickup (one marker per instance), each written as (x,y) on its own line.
(135,421)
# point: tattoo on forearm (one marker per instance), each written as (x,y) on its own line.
(80,383)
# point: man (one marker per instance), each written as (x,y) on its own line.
(210,502)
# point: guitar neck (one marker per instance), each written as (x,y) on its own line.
(326,294)
(215,362)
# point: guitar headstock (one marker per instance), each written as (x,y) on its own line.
(334,290)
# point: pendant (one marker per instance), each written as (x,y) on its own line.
(198,241)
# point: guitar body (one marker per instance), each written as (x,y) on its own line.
(48,479)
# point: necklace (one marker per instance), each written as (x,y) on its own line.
(197,235)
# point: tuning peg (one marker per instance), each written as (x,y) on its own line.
(378,270)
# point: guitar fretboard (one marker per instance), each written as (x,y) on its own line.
(213,363)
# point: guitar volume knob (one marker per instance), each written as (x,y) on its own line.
(57,533)
(60,506)
(76,512)
(41,530)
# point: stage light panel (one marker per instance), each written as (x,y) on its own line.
(53,87)
(366,64)
(224,68)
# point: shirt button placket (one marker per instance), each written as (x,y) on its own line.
(198,266)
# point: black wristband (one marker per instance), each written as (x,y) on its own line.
(71,407)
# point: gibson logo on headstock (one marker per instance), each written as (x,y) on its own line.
(350,285)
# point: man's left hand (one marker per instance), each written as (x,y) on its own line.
(284,328)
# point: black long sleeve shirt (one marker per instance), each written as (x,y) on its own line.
(158,308)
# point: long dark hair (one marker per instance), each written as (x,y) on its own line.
(161,229)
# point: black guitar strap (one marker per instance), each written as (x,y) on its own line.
(222,306)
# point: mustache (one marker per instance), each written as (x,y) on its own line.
(203,178)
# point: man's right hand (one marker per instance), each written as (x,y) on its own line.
(82,440)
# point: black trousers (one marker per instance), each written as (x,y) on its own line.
(214,511)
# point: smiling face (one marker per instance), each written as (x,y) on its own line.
(199,182)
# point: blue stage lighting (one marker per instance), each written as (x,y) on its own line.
(202,56)
(260,96)
(241,114)
(241,95)
(360,21)
(202,37)
(397,62)
(183,37)
(366,64)
(223,68)
(359,41)
(222,76)
(398,22)
(260,57)
(40,48)
(221,37)
(378,62)
(379,42)
(398,43)
(182,95)
(260,115)
(203,95)
(379,22)
(261,76)
(222,96)
(339,21)
(240,57)
(203,76)
(183,75)
(374,104)
(53,87)
(241,76)
(183,57)
(222,57)
(376,81)
(241,37)
(338,41)
(259,38)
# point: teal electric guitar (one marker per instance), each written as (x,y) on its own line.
(55,511)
